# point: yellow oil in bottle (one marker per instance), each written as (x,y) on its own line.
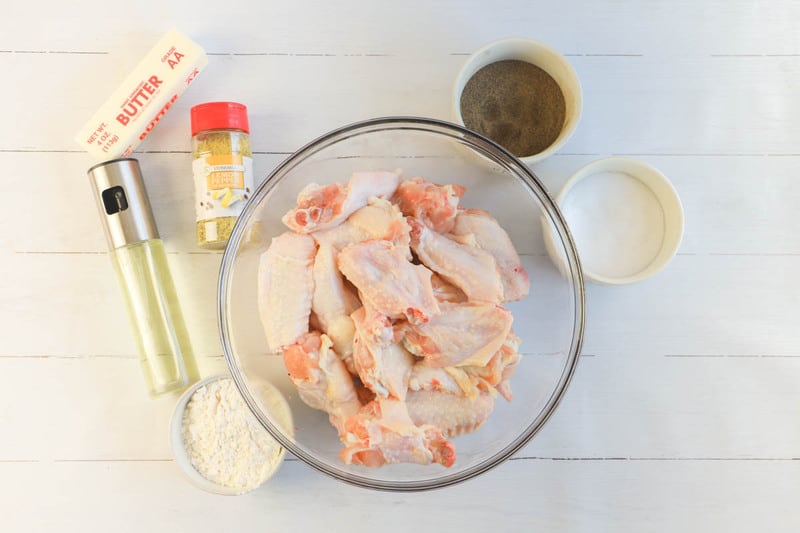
(162,340)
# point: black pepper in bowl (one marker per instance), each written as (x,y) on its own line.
(516,104)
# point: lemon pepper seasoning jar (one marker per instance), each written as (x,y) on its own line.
(222,167)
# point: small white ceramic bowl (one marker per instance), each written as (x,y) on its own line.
(543,57)
(625,217)
(270,395)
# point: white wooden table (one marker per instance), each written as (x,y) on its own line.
(684,414)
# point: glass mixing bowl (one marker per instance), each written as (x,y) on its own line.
(549,320)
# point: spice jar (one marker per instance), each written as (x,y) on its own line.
(222,169)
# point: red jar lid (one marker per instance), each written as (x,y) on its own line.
(219,116)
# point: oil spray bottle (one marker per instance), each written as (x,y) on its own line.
(140,262)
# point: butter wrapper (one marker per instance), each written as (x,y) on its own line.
(134,109)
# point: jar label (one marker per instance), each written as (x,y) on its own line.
(222,184)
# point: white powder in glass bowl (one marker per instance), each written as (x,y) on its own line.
(224,441)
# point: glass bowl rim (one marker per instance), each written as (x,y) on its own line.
(480,144)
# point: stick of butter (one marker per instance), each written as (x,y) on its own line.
(144,97)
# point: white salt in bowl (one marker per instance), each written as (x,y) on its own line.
(625,217)
(267,394)
(544,57)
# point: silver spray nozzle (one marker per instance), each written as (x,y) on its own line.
(122,200)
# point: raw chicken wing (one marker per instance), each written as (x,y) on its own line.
(333,302)
(387,282)
(321,378)
(445,291)
(480,229)
(383,367)
(380,220)
(453,414)
(433,205)
(498,371)
(382,432)
(285,287)
(377,328)
(461,335)
(468,380)
(470,269)
(451,379)
(321,207)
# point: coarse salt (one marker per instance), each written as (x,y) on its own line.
(224,441)
(617,222)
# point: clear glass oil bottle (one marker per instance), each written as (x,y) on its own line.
(140,261)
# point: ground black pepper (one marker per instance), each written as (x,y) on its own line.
(516,104)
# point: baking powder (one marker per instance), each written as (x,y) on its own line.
(224,441)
